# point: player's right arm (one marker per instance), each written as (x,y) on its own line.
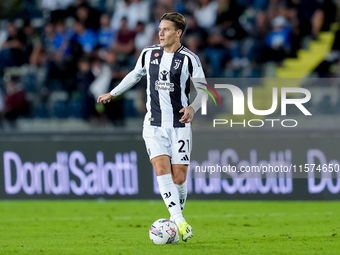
(105,98)
(128,82)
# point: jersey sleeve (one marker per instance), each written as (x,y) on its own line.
(197,77)
(197,69)
(132,77)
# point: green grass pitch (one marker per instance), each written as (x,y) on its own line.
(121,227)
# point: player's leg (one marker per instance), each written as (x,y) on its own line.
(158,145)
(167,187)
(181,148)
(179,174)
(180,160)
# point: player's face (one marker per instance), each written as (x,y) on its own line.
(167,34)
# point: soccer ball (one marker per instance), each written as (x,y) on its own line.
(163,231)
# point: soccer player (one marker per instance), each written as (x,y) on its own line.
(166,129)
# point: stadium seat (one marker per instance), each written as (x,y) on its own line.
(41,110)
(60,109)
(129,108)
(75,109)
(29,82)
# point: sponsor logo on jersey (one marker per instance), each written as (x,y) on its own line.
(162,83)
(163,75)
(169,86)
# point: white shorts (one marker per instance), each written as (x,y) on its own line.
(172,141)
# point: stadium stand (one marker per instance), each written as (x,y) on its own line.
(65,47)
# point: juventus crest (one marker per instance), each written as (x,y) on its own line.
(177,63)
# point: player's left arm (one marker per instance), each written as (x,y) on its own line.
(190,110)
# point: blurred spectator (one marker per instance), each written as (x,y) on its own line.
(15,104)
(228,9)
(32,37)
(86,37)
(85,78)
(115,110)
(234,35)
(133,10)
(288,10)
(118,71)
(256,26)
(206,13)
(120,12)
(278,41)
(161,8)
(192,43)
(195,38)
(88,16)
(144,34)
(312,15)
(62,40)
(194,30)
(139,11)
(53,5)
(105,33)
(102,76)
(217,52)
(48,38)
(169,4)
(13,50)
(44,50)
(157,13)
(322,70)
(329,8)
(3,33)
(60,54)
(56,9)
(125,41)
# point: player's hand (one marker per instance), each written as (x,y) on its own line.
(188,114)
(105,98)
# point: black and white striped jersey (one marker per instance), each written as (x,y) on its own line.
(168,84)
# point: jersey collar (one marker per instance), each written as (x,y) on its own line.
(180,48)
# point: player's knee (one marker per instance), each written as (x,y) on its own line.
(179,179)
(161,171)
